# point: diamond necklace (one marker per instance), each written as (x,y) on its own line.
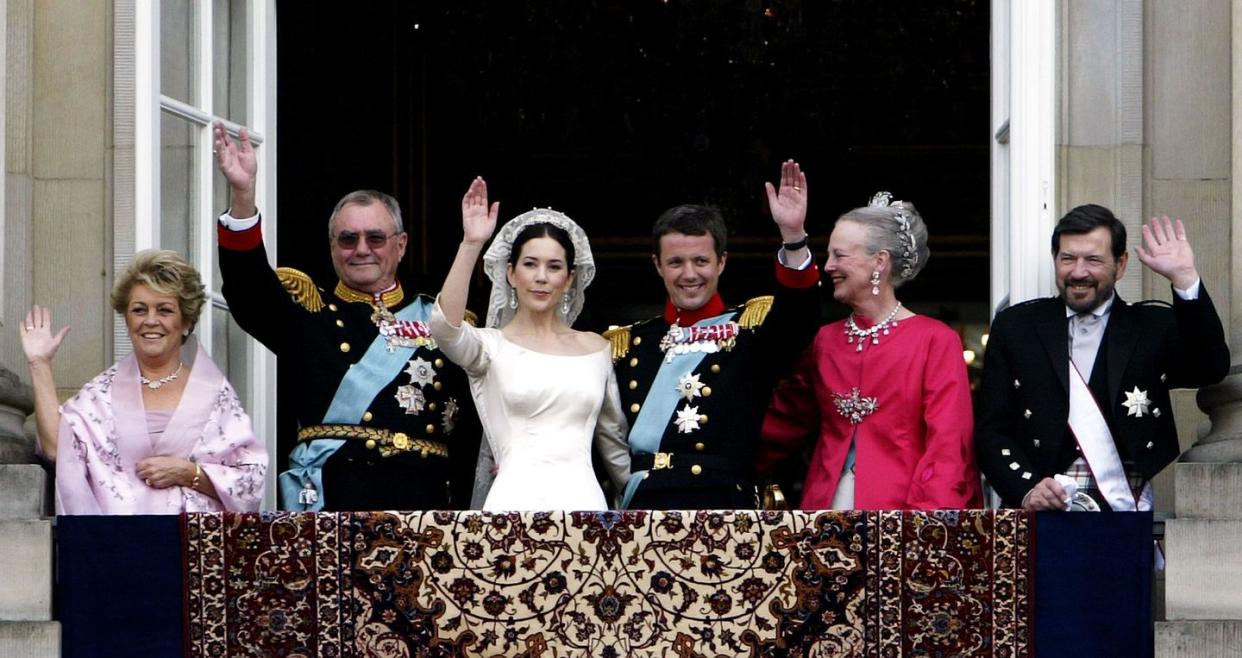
(852,331)
(156,383)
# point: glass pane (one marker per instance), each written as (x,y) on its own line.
(178,50)
(229,65)
(177,193)
(230,351)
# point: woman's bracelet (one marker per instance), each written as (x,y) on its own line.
(198,476)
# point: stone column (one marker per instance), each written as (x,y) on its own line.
(1203,599)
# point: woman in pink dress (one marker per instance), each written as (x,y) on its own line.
(161,431)
(884,393)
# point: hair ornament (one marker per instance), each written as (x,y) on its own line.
(904,231)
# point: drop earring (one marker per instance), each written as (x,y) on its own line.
(565,304)
(875,282)
(512,298)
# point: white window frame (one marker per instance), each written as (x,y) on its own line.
(149,106)
(1024,102)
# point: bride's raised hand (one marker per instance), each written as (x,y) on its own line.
(478,220)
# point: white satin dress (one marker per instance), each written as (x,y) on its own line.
(540,414)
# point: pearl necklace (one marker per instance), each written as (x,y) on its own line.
(852,331)
(156,383)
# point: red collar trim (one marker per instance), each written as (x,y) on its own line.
(714,306)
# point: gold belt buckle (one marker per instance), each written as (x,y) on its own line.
(662,460)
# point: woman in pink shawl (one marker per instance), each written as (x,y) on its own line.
(161,431)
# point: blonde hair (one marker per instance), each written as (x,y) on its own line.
(166,273)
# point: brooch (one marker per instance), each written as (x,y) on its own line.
(854,406)
(1136,402)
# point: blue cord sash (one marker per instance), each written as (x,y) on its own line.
(661,402)
(357,390)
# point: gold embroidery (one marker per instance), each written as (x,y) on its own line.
(300,288)
(391,298)
(756,312)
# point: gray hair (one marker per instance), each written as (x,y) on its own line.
(366,198)
(885,232)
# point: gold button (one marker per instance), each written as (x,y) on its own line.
(715,368)
(638,340)
(431,428)
(431,406)
(344,347)
(633,384)
(370,444)
(707,391)
(340,323)
(400,441)
(331,307)
(633,362)
(696,469)
(366,418)
(699,446)
(437,386)
(634,408)
(439,363)
(703,419)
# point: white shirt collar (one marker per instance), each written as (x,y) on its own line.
(1099,311)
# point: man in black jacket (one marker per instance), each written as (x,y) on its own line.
(385,420)
(1075,392)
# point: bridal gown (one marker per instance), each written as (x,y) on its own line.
(540,413)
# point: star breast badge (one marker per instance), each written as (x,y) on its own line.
(689,386)
(687,419)
(1136,402)
(420,371)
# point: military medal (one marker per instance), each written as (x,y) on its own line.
(707,339)
(449,421)
(687,419)
(1137,402)
(689,387)
(420,371)
(411,399)
(401,333)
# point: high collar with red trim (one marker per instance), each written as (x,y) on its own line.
(673,315)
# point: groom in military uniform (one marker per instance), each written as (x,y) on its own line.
(695,381)
(385,420)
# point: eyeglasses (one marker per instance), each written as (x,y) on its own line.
(374,239)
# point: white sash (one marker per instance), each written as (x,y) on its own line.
(1087,423)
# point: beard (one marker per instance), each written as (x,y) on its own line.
(1100,293)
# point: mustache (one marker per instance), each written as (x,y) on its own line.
(1080,282)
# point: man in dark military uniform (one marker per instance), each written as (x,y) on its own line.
(385,420)
(1074,409)
(695,382)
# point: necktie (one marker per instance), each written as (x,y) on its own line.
(1084,342)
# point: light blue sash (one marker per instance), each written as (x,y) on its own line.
(358,389)
(661,402)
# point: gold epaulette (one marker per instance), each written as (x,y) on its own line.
(620,339)
(755,312)
(471,318)
(300,288)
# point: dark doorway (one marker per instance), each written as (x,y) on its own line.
(613,110)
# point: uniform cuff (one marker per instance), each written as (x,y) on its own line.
(797,278)
(243,240)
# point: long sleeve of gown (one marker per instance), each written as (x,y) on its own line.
(610,432)
(946,476)
(463,343)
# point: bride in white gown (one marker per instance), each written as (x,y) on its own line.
(544,391)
